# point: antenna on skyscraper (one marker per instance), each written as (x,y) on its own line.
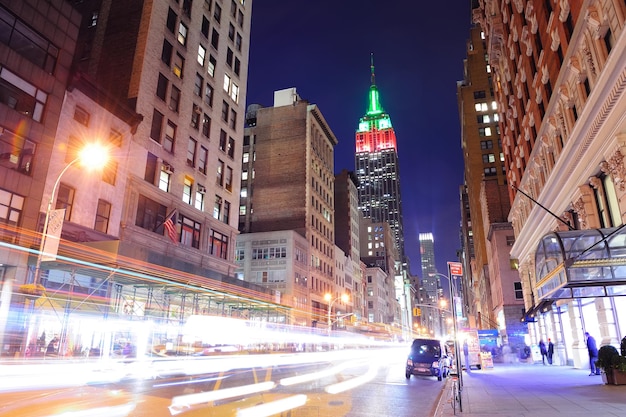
(372,68)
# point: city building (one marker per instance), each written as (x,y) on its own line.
(559,76)
(377,168)
(288,184)
(431,283)
(492,283)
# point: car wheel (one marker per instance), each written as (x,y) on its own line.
(439,378)
(408,375)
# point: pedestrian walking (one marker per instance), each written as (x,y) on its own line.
(466,355)
(550,351)
(543,350)
(592,348)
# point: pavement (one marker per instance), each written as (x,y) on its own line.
(530,390)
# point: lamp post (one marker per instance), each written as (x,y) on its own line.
(93,156)
(456,333)
(328,297)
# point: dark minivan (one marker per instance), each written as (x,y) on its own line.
(426,358)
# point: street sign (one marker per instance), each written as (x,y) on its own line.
(456,268)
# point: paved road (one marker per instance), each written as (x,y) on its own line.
(526,390)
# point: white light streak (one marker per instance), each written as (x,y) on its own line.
(274,407)
(184,402)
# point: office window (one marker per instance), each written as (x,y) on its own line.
(189,232)
(231,32)
(231,147)
(151,168)
(223,141)
(150,214)
(489,158)
(217,207)
(81,116)
(226,215)
(205,27)
(245,158)
(206,125)
(217,13)
(191,152)
(199,203)
(65,199)
(225,108)
(18,152)
(240,18)
(197,85)
(157,125)
(103,213)
(208,94)
(210,69)
(226,84)
(196,112)
(238,41)
(171,20)
(165,178)
(109,172)
(182,34)
(481,107)
(519,292)
(234,92)
(174,99)
(486,144)
(215,38)
(219,179)
(21,96)
(242,210)
(201,54)
(233,119)
(229,57)
(170,136)
(237,68)
(11,206)
(179,65)
(187,7)
(187,186)
(202,159)
(228,180)
(243,193)
(166,52)
(218,244)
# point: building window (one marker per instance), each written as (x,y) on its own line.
(486,144)
(11,206)
(171,20)
(17,152)
(187,186)
(196,112)
(226,84)
(217,13)
(109,172)
(519,292)
(199,203)
(242,210)
(231,147)
(228,181)
(191,152)
(231,32)
(187,7)
(170,136)
(205,27)
(219,180)
(65,200)
(234,92)
(179,64)
(202,159)
(233,119)
(489,158)
(238,41)
(215,38)
(190,232)
(81,116)
(201,54)
(103,213)
(182,34)
(157,126)
(217,207)
(481,107)
(206,125)
(243,193)
(151,168)
(208,94)
(174,99)
(150,214)
(210,69)
(22,96)
(165,178)
(225,108)
(237,67)
(166,53)
(222,144)
(219,245)
(161,91)
(510,240)
(226,215)
(197,86)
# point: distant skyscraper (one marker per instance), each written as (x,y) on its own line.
(430,284)
(376,162)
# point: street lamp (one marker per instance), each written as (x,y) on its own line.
(328,297)
(92,156)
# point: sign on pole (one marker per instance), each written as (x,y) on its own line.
(52,236)
(456,268)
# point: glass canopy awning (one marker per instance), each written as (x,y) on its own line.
(581,263)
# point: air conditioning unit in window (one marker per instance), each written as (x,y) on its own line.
(201,189)
(167,168)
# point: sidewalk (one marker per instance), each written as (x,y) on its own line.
(523,390)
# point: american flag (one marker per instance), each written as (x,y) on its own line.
(170,227)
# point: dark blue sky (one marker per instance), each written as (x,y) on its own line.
(323,49)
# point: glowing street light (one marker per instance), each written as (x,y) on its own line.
(328,297)
(92,157)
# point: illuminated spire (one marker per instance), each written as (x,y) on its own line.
(374,102)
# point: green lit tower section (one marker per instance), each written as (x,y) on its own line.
(377,170)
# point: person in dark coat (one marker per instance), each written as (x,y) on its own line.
(592,348)
(544,352)
(550,351)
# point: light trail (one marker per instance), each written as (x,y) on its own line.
(274,407)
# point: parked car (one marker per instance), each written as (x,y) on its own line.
(426,358)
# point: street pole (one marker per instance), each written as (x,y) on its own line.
(328,297)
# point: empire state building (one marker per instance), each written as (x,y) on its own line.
(377,170)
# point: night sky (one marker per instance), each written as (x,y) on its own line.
(323,49)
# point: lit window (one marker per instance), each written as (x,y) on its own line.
(187,185)
(182,33)
(242,210)
(199,203)
(244,192)
(227,83)
(494,106)
(244,175)
(234,93)
(246,157)
(488,68)
(201,54)
(487,131)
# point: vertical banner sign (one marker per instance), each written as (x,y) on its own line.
(456,268)
(52,236)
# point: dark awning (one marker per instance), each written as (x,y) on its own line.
(542,307)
